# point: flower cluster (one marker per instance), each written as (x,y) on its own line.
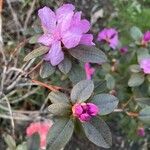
(63,27)
(145,65)
(141,132)
(84,111)
(42,129)
(110,36)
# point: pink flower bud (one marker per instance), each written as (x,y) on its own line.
(123,50)
(141,132)
(146,36)
(89,71)
(42,129)
(92,109)
(85,111)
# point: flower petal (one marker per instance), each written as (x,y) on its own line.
(71,38)
(114,42)
(48,19)
(55,55)
(46,39)
(87,39)
(64,16)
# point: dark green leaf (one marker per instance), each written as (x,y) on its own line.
(100,86)
(136,80)
(36,53)
(65,65)
(143,101)
(60,134)
(105,102)
(88,54)
(145,115)
(58,97)
(60,109)
(77,74)
(110,81)
(46,69)
(82,91)
(98,132)
(33,142)
(136,33)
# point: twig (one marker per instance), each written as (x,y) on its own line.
(15,117)
(17,23)
(11,115)
(29,14)
(24,96)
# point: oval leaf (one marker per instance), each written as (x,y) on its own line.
(136,80)
(88,54)
(105,102)
(36,53)
(143,101)
(98,132)
(74,74)
(136,33)
(135,68)
(65,65)
(60,109)
(110,82)
(60,134)
(33,142)
(58,97)
(46,69)
(145,115)
(82,91)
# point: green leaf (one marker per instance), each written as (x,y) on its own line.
(105,102)
(60,109)
(46,69)
(36,53)
(142,53)
(76,74)
(58,97)
(22,146)
(60,134)
(143,101)
(33,142)
(34,39)
(100,86)
(10,141)
(136,80)
(88,54)
(98,132)
(144,115)
(82,91)
(135,68)
(136,33)
(110,81)
(65,65)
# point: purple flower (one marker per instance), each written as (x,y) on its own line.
(145,65)
(141,132)
(89,71)
(85,111)
(146,36)
(123,50)
(109,35)
(62,28)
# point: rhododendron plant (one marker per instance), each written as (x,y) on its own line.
(64,26)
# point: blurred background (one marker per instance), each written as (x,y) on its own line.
(20,23)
